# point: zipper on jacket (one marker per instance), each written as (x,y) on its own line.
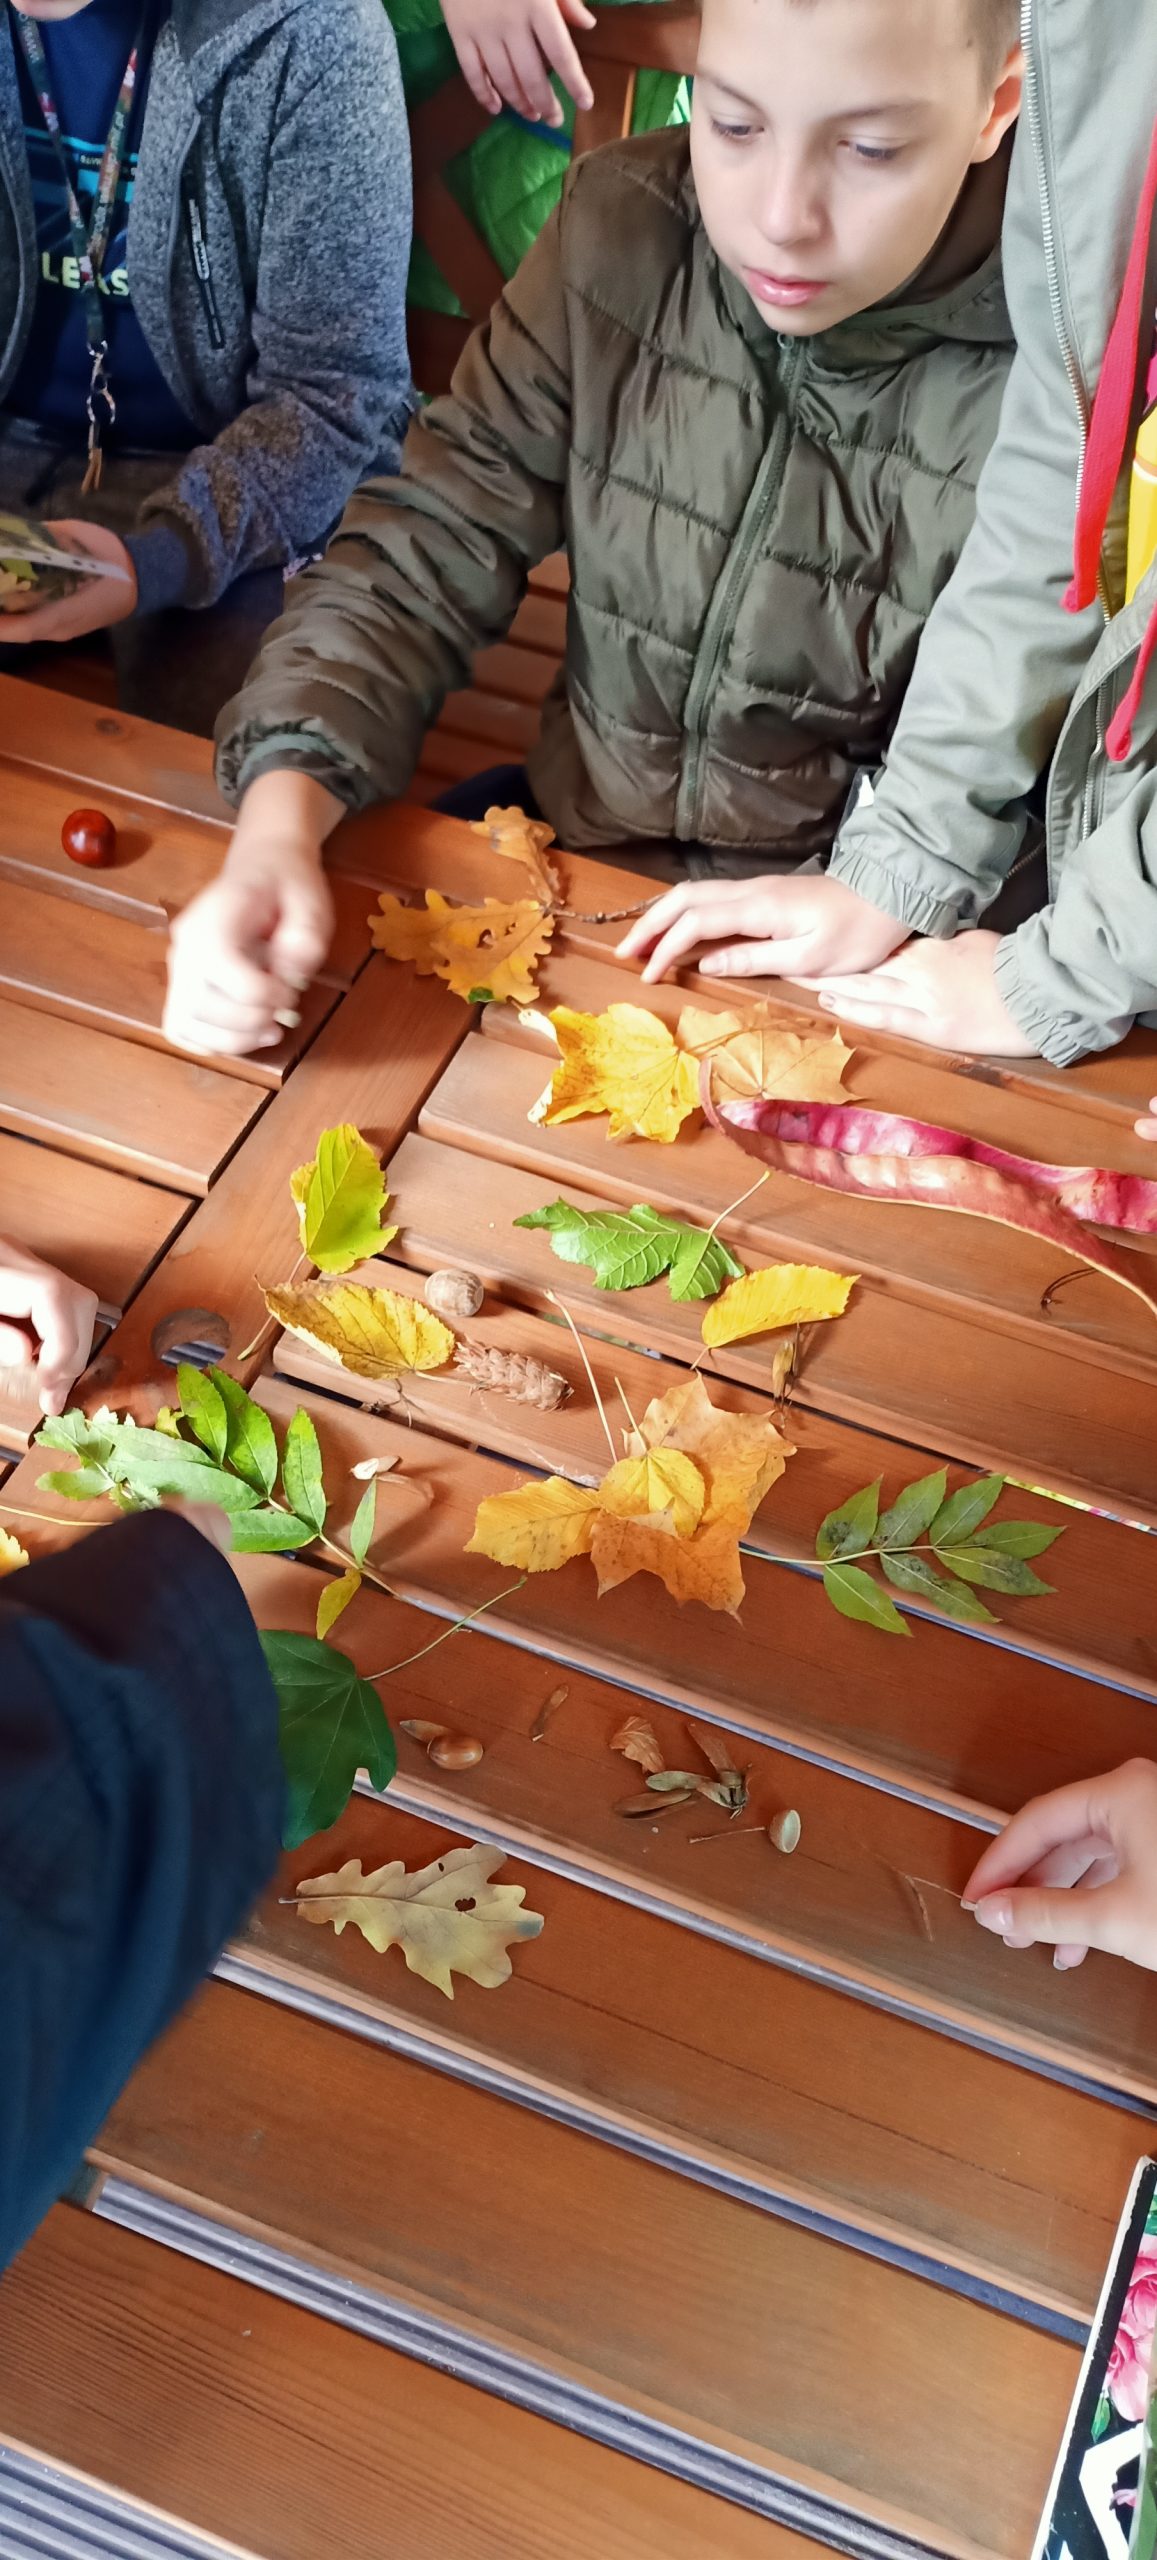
(721,616)
(203,270)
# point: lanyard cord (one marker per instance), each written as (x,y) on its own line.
(89,242)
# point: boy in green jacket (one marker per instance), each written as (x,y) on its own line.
(1040,654)
(750,380)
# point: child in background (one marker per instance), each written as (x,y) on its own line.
(750,379)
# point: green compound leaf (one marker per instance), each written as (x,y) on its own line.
(301,1472)
(625,1248)
(332,1725)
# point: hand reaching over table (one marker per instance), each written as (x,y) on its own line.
(1077,1869)
(46,1320)
(768,927)
(242,954)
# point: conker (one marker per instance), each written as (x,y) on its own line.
(90,837)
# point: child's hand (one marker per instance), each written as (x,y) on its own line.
(45,1318)
(942,992)
(241,954)
(769,928)
(94,604)
(1147,1128)
(1077,1869)
(507,49)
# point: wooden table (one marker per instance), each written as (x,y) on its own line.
(769,2199)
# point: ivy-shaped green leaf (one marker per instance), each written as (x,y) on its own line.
(332,1724)
(204,1410)
(302,1474)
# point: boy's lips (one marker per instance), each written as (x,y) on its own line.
(789,293)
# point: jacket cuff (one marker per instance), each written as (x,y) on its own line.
(887,889)
(292,751)
(163,563)
(1060,1037)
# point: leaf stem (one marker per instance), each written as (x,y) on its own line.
(733,1205)
(594,1385)
(447,1632)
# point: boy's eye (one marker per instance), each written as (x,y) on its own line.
(731,132)
(877,154)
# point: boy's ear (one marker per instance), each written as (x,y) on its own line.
(1005,107)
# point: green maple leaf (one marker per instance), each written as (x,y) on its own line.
(332,1725)
(627,1247)
(340,1198)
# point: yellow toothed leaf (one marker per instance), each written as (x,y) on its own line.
(660,1480)
(752,1055)
(521,839)
(339,1200)
(485,954)
(623,1062)
(739,1455)
(785,1293)
(375,1332)
(537,1527)
(705,1567)
(447,1918)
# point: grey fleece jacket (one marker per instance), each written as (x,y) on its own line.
(268,246)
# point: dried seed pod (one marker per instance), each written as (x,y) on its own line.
(784,1830)
(511,1373)
(420,1731)
(455,1751)
(454,1293)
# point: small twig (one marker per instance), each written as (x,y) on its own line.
(447,1632)
(48,1519)
(609,915)
(271,1325)
(733,1205)
(1065,1281)
(622,1395)
(593,1381)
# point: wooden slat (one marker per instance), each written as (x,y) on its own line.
(104,751)
(211,2403)
(931,1377)
(1101,1616)
(99,1226)
(727,2348)
(841,1903)
(169,1118)
(737,2070)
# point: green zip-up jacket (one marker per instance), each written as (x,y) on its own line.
(1006,678)
(757,529)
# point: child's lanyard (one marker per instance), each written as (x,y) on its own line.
(88,245)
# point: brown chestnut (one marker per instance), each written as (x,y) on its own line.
(90,837)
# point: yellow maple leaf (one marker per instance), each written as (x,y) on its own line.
(656,1481)
(447,1918)
(537,1527)
(484,953)
(705,1567)
(521,839)
(785,1293)
(752,1054)
(375,1332)
(739,1455)
(625,1062)
(12,1554)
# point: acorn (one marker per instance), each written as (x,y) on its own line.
(454,1293)
(454,1751)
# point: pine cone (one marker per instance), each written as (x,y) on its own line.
(509,1373)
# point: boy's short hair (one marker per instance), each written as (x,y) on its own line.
(995,27)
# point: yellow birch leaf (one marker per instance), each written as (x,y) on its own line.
(785,1293)
(518,838)
(752,1054)
(374,1332)
(638,1740)
(447,1918)
(624,1062)
(705,1567)
(12,1554)
(739,1455)
(335,1597)
(537,1527)
(485,954)
(339,1200)
(658,1480)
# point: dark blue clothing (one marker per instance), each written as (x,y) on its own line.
(87,56)
(140,1805)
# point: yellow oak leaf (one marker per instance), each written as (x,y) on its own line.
(375,1332)
(12,1554)
(638,1740)
(656,1481)
(739,1455)
(785,1293)
(485,954)
(521,839)
(537,1527)
(705,1567)
(339,1200)
(625,1062)
(752,1054)
(447,1918)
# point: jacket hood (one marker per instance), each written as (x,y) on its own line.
(211,33)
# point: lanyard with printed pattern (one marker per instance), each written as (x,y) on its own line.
(89,241)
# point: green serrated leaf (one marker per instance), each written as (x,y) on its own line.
(1023,1538)
(913,1511)
(623,1249)
(82,1433)
(993,1571)
(332,1725)
(854,1593)
(963,1512)
(701,1265)
(251,1442)
(918,1575)
(76,1484)
(272,1532)
(340,1198)
(851,1529)
(363,1523)
(204,1410)
(301,1472)
(336,1597)
(151,1467)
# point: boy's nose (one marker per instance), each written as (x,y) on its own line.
(791,213)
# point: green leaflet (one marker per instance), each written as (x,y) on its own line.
(963,1512)
(625,1248)
(203,1407)
(269,1533)
(363,1523)
(332,1725)
(251,1443)
(1017,1537)
(854,1593)
(913,1511)
(851,1529)
(301,1472)
(993,1571)
(918,1575)
(76,1484)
